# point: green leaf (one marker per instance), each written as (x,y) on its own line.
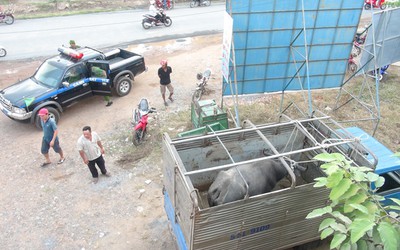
(339,228)
(357,199)
(342,217)
(326,223)
(389,236)
(345,246)
(326,232)
(396,154)
(362,245)
(359,227)
(359,176)
(319,212)
(392,208)
(329,157)
(360,208)
(350,192)
(340,189)
(337,240)
(334,179)
(330,168)
(372,177)
(320,182)
(379,183)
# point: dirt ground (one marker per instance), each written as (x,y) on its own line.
(58,207)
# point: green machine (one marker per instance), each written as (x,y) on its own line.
(206,116)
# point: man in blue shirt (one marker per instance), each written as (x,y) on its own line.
(50,138)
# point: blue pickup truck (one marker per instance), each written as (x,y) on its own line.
(67,78)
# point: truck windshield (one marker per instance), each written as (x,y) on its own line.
(50,73)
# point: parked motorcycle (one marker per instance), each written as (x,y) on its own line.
(381,73)
(201,84)
(140,116)
(7,16)
(150,21)
(375,4)
(167,5)
(3,51)
(195,3)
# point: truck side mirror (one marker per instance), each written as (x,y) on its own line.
(65,84)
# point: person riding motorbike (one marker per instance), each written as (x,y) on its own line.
(154,11)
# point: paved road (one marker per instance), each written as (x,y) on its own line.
(41,37)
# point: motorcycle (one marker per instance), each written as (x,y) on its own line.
(140,117)
(201,84)
(3,51)
(374,4)
(167,5)
(195,3)
(7,16)
(150,21)
(381,73)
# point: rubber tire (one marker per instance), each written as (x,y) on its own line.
(355,51)
(352,67)
(145,27)
(197,95)
(137,137)
(208,3)
(167,22)
(367,6)
(193,4)
(3,52)
(383,6)
(123,86)
(9,19)
(54,113)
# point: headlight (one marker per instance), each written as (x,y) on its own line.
(18,110)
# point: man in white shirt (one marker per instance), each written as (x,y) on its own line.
(91,151)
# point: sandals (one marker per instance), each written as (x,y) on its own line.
(61,161)
(44,164)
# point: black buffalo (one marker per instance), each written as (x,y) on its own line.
(261,177)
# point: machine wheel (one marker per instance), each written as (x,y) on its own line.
(367,6)
(3,52)
(383,6)
(146,27)
(193,4)
(53,113)
(352,67)
(9,19)
(197,95)
(123,86)
(167,22)
(138,136)
(207,3)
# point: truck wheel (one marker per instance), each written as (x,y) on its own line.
(53,113)
(123,86)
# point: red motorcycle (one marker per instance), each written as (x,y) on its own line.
(374,4)
(6,16)
(351,64)
(140,117)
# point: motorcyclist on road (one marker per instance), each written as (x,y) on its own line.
(154,11)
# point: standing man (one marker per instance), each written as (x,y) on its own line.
(165,80)
(91,151)
(98,72)
(50,137)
